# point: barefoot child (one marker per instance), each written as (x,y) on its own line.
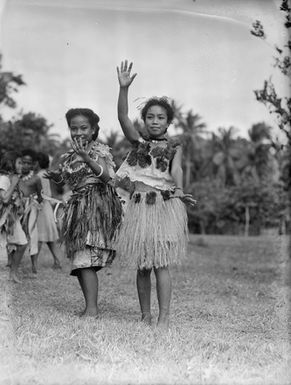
(30,186)
(154,231)
(11,208)
(46,225)
(93,212)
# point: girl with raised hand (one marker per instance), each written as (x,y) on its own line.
(93,211)
(154,231)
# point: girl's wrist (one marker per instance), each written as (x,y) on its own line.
(58,181)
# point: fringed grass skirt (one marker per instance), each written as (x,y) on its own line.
(154,232)
(91,219)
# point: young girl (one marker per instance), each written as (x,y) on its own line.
(46,225)
(30,186)
(154,231)
(11,209)
(93,211)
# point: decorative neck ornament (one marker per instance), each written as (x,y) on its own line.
(156,140)
(28,176)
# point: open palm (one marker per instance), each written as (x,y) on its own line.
(124,76)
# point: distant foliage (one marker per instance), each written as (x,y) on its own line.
(278,105)
(9,83)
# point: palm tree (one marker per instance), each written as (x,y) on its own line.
(225,156)
(260,159)
(191,128)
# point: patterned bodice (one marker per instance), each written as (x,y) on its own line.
(76,172)
(149,162)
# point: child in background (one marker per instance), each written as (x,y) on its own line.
(30,186)
(93,212)
(154,232)
(46,226)
(11,209)
(18,169)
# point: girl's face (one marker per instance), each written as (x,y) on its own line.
(80,128)
(18,165)
(27,164)
(156,121)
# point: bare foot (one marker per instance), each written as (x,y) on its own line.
(163,323)
(13,277)
(89,313)
(146,319)
(32,275)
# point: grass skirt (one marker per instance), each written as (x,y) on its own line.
(154,232)
(91,218)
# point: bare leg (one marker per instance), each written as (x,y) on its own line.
(34,259)
(8,260)
(55,251)
(16,257)
(143,282)
(164,289)
(33,238)
(89,284)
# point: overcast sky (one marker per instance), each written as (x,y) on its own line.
(199,53)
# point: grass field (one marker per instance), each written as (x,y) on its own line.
(229,322)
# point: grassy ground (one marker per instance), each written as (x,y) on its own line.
(229,322)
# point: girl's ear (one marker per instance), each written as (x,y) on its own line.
(95,133)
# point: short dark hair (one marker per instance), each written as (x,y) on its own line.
(89,114)
(29,152)
(155,101)
(43,160)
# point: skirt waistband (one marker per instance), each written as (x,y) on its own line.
(151,196)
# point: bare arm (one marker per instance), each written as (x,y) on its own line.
(176,170)
(99,167)
(5,196)
(177,175)
(125,81)
(56,175)
(38,188)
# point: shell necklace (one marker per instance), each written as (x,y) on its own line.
(28,176)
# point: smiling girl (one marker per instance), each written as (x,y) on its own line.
(93,212)
(154,231)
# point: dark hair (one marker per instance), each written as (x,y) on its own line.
(155,101)
(43,160)
(89,114)
(6,159)
(29,152)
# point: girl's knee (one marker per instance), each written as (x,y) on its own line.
(144,272)
(161,269)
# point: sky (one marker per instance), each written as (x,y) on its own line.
(199,53)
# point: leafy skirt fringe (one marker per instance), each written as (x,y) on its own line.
(154,232)
(91,218)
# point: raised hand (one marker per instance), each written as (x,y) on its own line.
(124,77)
(80,148)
